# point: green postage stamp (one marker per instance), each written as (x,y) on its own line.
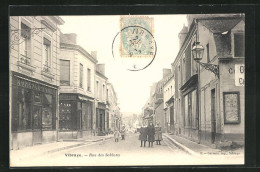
(136,38)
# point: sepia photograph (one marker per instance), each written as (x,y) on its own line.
(127,90)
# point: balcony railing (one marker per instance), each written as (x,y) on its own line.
(25,59)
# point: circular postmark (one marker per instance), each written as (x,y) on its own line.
(135,47)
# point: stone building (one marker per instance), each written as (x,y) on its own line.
(168,104)
(77,89)
(114,110)
(102,113)
(210,93)
(34,79)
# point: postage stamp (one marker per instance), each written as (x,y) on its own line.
(136,38)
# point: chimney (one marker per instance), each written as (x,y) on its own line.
(94,54)
(182,35)
(166,72)
(101,68)
(69,38)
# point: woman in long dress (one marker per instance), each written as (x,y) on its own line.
(158,134)
(143,135)
(150,133)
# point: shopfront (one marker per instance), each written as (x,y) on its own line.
(33,113)
(100,118)
(190,109)
(75,119)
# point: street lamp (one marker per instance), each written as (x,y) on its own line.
(197,53)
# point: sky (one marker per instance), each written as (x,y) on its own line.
(96,33)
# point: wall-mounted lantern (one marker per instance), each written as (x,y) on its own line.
(197,53)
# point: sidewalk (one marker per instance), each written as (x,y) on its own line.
(194,148)
(189,146)
(47,148)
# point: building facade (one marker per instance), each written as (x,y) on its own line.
(34,80)
(211,105)
(77,89)
(168,105)
(102,113)
(114,110)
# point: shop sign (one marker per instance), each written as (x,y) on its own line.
(34,86)
(239,74)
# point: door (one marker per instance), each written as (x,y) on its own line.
(37,124)
(172,118)
(100,122)
(213,117)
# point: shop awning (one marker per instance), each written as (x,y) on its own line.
(85,99)
(190,85)
(149,117)
(170,100)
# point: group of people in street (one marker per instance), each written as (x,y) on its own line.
(118,133)
(150,133)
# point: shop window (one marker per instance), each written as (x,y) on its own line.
(24,110)
(239,45)
(65,118)
(86,116)
(194,110)
(25,45)
(46,55)
(186,111)
(65,72)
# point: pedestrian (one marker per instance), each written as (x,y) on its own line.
(150,133)
(116,135)
(123,132)
(143,135)
(158,134)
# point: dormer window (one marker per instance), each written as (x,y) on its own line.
(239,45)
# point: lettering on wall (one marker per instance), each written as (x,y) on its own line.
(34,86)
(239,75)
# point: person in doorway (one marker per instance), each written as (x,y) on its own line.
(158,134)
(116,135)
(150,134)
(123,133)
(143,135)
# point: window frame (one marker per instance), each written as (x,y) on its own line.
(47,68)
(89,79)
(62,71)
(28,57)
(81,71)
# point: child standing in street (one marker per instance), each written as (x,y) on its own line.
(116,135)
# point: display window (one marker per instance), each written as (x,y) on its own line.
(32,109)
(67,116)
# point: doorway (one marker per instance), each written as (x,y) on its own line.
(213,116)
(37,125)
(172,119)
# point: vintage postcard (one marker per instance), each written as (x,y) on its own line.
(127,90)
